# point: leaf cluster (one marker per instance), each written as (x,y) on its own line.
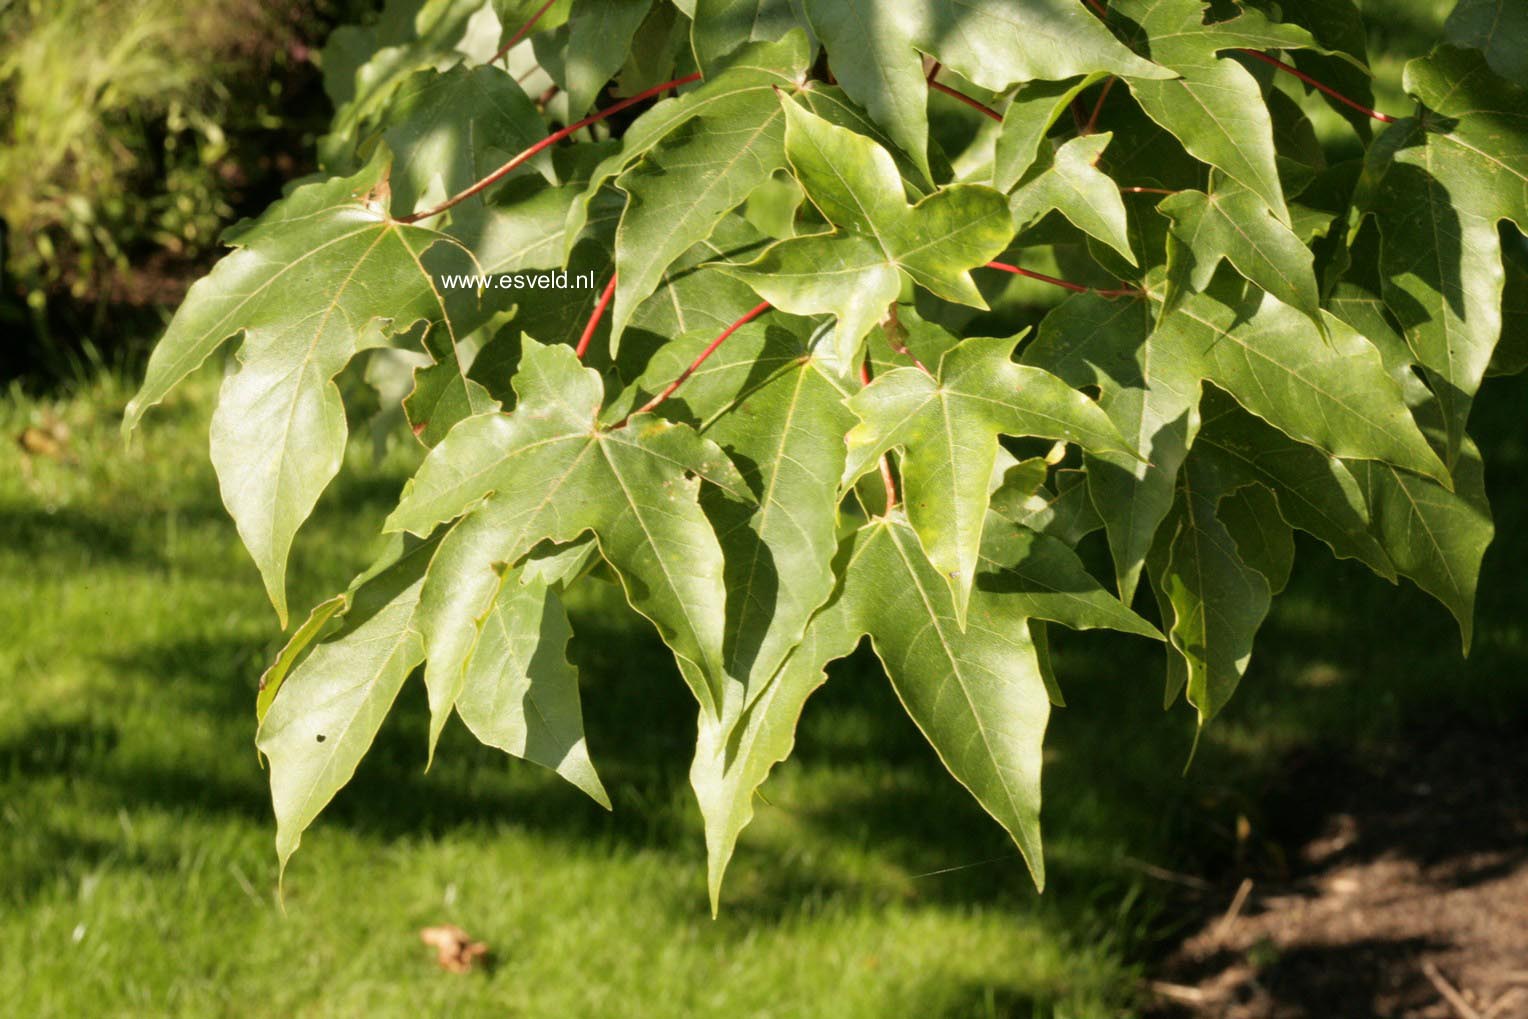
(793,430)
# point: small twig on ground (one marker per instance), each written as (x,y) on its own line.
(1233,911)
(1199,884)
(1183,994)
(1449,992)
(1499,1006)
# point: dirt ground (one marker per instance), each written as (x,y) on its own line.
(1402,894)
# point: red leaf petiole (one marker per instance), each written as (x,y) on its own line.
(1076,288)
(668,390)
(547,142)
(595,316)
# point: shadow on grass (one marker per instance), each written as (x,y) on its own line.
(1347,664)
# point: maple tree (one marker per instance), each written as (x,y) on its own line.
(778,421)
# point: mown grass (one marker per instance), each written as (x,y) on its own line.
(136,872)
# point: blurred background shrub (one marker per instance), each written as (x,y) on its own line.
(131,131)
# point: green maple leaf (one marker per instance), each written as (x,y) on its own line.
(332,703)
(767,400)
(977,694)
(364,66)
(550,472)
(873,58)
(1149,390)
(1234,224)
(447,129)
(1212,599)
(719,27)
(1334,394)
(1315,491)
(1068,180)
(518,692)
(687,182)
(582,55)
(307,284)
(875,51)
(1040,577)
(1214,106)
(1435,537)
(856,271)
(1034,110)
(1454,172)
(1497,28)
(947,426)
(746,85)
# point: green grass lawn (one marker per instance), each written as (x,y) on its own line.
(137,876)
(136,870)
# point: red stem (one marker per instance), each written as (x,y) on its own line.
(549,140)
(886,478)
(594,318)
(668,390)
(1313,83)
(941,87)
(522,33)
(1076,288)
(1098,8)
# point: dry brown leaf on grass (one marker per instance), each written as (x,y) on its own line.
(50,439)
(455,950)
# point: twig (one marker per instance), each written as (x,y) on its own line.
(523,31)
(1147,191)
(549,140)
(1450,994)
(1233,911)
(595,316)
(668,391)
(1181,993)
(1199,884)
(1500,1004)
(1313,83)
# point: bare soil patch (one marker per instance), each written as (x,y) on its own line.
(1402,894)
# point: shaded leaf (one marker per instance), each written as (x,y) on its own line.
(1067,180)
(1150,390)
(308,280)
(1457,169)
(552,474)
(947,427)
